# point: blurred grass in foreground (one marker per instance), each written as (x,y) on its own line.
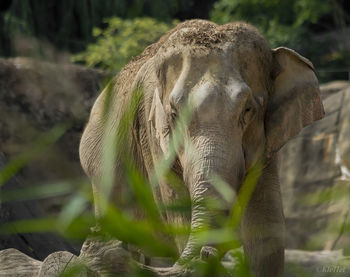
(149,233)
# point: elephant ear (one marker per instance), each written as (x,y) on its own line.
(159,124)
(295,102)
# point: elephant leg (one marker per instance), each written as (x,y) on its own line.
(262,226)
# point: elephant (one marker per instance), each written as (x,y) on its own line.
(246,100)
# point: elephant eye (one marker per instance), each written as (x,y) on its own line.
(247,110)
(247,116)
(173,116)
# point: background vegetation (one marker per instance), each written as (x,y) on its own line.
(121,40)
(119,29)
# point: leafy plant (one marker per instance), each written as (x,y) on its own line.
(148,233)
(290,23)
(282,22)
(120,41)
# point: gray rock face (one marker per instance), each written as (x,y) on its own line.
(34,97)
(36,245)
(315,177)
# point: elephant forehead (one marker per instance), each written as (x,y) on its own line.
(225,53)
(225,60)
(199,71)
(219,71)
(211,94)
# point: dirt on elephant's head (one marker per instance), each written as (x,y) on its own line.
(197,34)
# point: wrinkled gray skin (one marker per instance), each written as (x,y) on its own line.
(247,101)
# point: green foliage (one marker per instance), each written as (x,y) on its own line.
(120,41)
(150,233)
(290,23)
(68,24)
(282,22)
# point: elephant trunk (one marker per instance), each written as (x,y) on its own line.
(200,219)
(212,155)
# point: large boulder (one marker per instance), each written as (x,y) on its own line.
(34,98)
(315,177)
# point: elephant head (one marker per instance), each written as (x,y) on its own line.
(246,102)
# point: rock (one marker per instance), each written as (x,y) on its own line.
(13,263)
(64,263)
(56,263)
(105,257)
(315,177)
(298,263)
(317,263)
(332,87)
(34,98)
(36,245)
